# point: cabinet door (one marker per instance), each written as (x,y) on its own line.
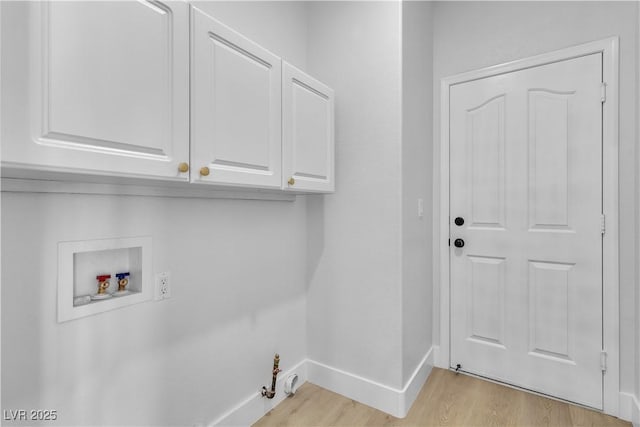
(235,110)
(308,136)
(109,85)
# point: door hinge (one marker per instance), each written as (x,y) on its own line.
(603,224)
(603,92)
(603,361)
(449,242)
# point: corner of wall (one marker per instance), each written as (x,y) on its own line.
(393,401)
(629,408)
(417,381)
(416,63)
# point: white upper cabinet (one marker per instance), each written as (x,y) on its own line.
(107,85)
(307,133)
(159,90)
(235,107)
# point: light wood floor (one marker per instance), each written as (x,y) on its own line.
(446,399)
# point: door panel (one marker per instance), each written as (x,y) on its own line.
(239,76)
(236,107)
(548,159)
(549,310)
(75,45)
(486,306)
(485,143)
(526,171)
(308,136)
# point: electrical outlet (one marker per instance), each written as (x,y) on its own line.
(163,288)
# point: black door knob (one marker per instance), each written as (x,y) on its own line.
(459,221)
(458,243)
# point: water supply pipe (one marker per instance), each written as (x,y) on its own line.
(269,394)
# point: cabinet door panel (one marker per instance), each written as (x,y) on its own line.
(308,134)
(110,88)
(235,94)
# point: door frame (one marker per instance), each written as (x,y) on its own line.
(610,268)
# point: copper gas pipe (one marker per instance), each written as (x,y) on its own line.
(269,394)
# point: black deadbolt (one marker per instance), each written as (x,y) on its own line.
(458,243)
(459,221)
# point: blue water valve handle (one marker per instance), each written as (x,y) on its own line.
(122,282)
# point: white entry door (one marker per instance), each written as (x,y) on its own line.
(526,202)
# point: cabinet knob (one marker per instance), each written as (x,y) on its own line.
(183,167)
(291,181)
(204,171)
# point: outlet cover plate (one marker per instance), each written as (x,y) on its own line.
(162,288)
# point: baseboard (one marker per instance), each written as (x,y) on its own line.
(416,381)
(629,408)
(387,399)
(391,400)
(255,406)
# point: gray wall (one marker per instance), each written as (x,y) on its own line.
(472,35)
(370,294)
(417,148)
(238,274)
(355,295)
(343,279)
